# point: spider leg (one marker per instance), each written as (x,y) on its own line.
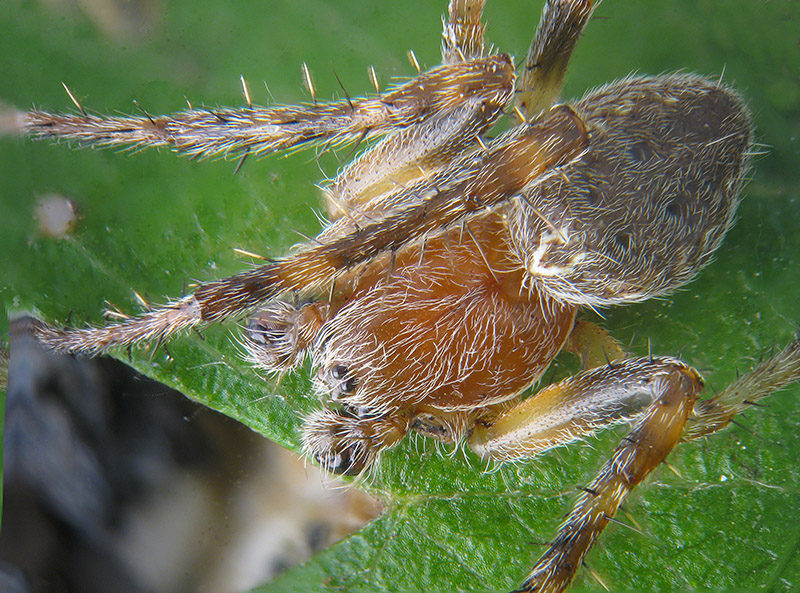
(662,392)
(370,186)
(462,34)
(468,186)
(560,27)
(711,415)
(673,388)
(214,132)
(575,408)
(595,346)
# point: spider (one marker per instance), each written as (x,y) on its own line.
(455,262)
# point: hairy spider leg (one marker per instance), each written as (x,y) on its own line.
(542,74)
(219,132)
(573,408)
(456,95)
(711,415)
(518,159)
(662,392)
(372,186)
(463,31)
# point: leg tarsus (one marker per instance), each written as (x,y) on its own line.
(778,371)
(462,37)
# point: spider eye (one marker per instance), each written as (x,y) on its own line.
(339,379)
(349,386)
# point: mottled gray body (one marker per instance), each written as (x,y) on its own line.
(648,203)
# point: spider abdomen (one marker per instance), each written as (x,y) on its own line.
(646,206)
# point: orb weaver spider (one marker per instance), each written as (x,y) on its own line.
(406,248)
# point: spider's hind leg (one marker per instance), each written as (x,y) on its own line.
(662,393)
(578,406)
(711,415)
(674,388)
(664,388)
(542,77)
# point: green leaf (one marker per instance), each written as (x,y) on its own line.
(151,222)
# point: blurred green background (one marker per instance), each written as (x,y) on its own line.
(153,222)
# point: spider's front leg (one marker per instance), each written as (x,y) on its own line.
(466,187)
(662,392)
(214,132)
(463,32)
